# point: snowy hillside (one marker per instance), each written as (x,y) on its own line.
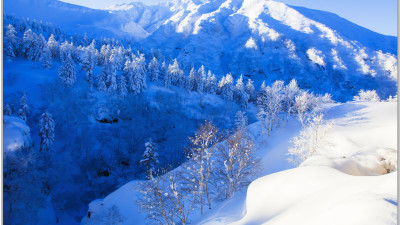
(351,182)
(260,39)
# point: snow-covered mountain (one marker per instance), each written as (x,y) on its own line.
(264,40)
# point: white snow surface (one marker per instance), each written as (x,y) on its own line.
(16,133)
(353,181)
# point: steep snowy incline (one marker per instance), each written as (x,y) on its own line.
(353,181)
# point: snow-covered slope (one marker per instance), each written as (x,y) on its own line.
(263,39)
(16,134)
(348,183)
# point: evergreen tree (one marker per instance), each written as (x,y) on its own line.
(149,158)
(54,47)
(88,61)
(211,85)
(226,87)
(176,74)
(29,45)
(45,58)
(122,87)
(46,131)
(7,110)
(240,95)
(138,80)
(201,79)
(192,80)
(153,69)
(10,42)
(66,73)
(24,108)
(250,90)
(101,82)
(163,72)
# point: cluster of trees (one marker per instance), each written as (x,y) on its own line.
(218,166)
(278,101)
(124,72)
(311,140)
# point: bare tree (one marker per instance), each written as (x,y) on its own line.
(239,160)
(155,202)
(310,140)
(201,150)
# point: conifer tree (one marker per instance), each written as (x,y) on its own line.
(46,131)
(10,42)
(122,87)
(211,85)
(54,47)
(45,58)
(150,158)
(24,108)
(201,79)
(250,90)
(153,69)
(192,80)
(7,110)
(66,73)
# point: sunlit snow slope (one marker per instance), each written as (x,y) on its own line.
(348,183)
(262,39)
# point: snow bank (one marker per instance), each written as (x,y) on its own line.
(321,195)
(353,181)
(16,133)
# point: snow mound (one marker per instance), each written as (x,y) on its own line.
(321,195)
(368,161)
(16,134)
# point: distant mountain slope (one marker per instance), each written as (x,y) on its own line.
(262,39)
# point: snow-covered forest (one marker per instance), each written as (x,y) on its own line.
(148,126)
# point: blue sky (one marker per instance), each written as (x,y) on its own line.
(377,15)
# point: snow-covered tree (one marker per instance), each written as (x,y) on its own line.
(155,201)
(46,131)
(88,61)
(154,70)
(241,120)
(122,86)
(10,42)
(225,87)
(201,151)
(201,79)
(369,95)
(290,92)
(66,72)
(45,58)
(176,74)
(239,160)
(54,47)
(311,140)
(192,80)
(137,75)
(211,84)
(250,90)
(66,50)
(303,103)
(7,110)
(150,158)
(24,108)
(104,55)
(28,44)
(163,72)
(269,104)
(240,96)
(101,82)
